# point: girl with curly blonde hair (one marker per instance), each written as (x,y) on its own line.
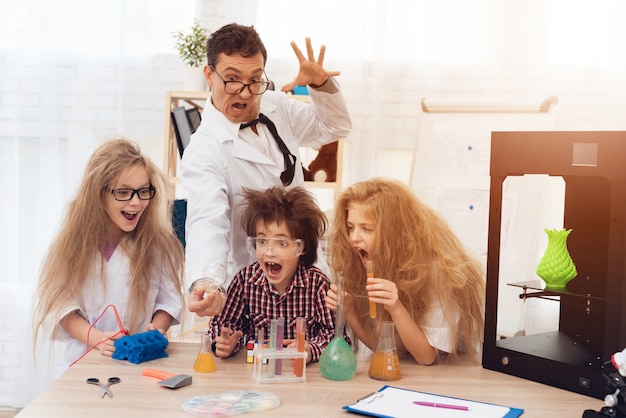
(424,281)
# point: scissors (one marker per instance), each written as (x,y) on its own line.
(105,388)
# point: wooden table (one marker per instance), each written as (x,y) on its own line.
(140,396)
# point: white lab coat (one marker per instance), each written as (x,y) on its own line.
(217,164)
(94,298)
(438,330)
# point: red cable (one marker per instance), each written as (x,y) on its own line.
(122,330)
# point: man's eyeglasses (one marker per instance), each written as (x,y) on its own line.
(283,248)
(236,87)
(124,195)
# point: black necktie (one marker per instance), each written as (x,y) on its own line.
(290,160)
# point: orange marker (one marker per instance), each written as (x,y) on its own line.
(369,265)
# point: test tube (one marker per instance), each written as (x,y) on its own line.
(280,335)
(370,274)
(261,343)
(300,337)
(272,347)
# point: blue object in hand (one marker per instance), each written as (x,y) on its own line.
(142,347)
(301,91)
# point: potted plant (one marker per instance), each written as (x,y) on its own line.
(191,47)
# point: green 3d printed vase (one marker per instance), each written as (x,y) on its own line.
(556,267)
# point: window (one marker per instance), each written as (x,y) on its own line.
(587,34)
(97,28)
(448,33)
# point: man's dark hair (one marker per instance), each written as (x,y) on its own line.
(234,38)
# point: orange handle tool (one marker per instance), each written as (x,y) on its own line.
(159,374)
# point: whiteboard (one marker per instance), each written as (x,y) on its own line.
(450,172)
(450,167)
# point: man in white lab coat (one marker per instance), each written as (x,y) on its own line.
(228,153)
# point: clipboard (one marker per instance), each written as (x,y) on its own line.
(394,402)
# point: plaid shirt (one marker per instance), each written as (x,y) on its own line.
(252,303)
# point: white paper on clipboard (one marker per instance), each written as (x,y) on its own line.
(394,402)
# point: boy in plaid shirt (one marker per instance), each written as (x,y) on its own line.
(283,227)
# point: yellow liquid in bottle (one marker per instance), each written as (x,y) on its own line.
(385,365)
(204,362)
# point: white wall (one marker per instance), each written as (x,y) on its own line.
(590,99)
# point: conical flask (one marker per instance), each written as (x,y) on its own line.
(204,361)
(338,361)
(385,364)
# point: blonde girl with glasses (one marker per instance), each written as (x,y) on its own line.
(115,265)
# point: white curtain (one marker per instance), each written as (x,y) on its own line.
(72,73)
(393,53)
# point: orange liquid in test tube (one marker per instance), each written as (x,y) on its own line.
(370,274)
(300,338)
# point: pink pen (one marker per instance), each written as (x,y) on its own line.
(442,405)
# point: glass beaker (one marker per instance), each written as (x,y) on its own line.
(338,361)
(213,279)
(385,364)
(205,362)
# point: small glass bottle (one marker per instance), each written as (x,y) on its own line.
(212,279)
(204,362)
(385,364)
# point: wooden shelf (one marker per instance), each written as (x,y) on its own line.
(174,99)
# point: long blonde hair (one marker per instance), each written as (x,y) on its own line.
(87,228)
(417,250)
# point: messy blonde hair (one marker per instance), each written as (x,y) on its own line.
(87,228)
(416,249)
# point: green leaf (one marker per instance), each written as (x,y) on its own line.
(191,45)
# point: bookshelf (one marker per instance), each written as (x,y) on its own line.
(173,99)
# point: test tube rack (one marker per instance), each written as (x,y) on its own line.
(265,363)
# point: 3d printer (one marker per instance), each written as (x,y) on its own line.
(591,315)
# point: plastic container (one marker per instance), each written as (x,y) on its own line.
(265,365)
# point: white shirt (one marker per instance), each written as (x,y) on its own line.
(437,329)
(162,295)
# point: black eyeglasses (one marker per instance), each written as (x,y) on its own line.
(236,87)
(124,195)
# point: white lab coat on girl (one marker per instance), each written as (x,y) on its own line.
(217,164)
(94,298)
